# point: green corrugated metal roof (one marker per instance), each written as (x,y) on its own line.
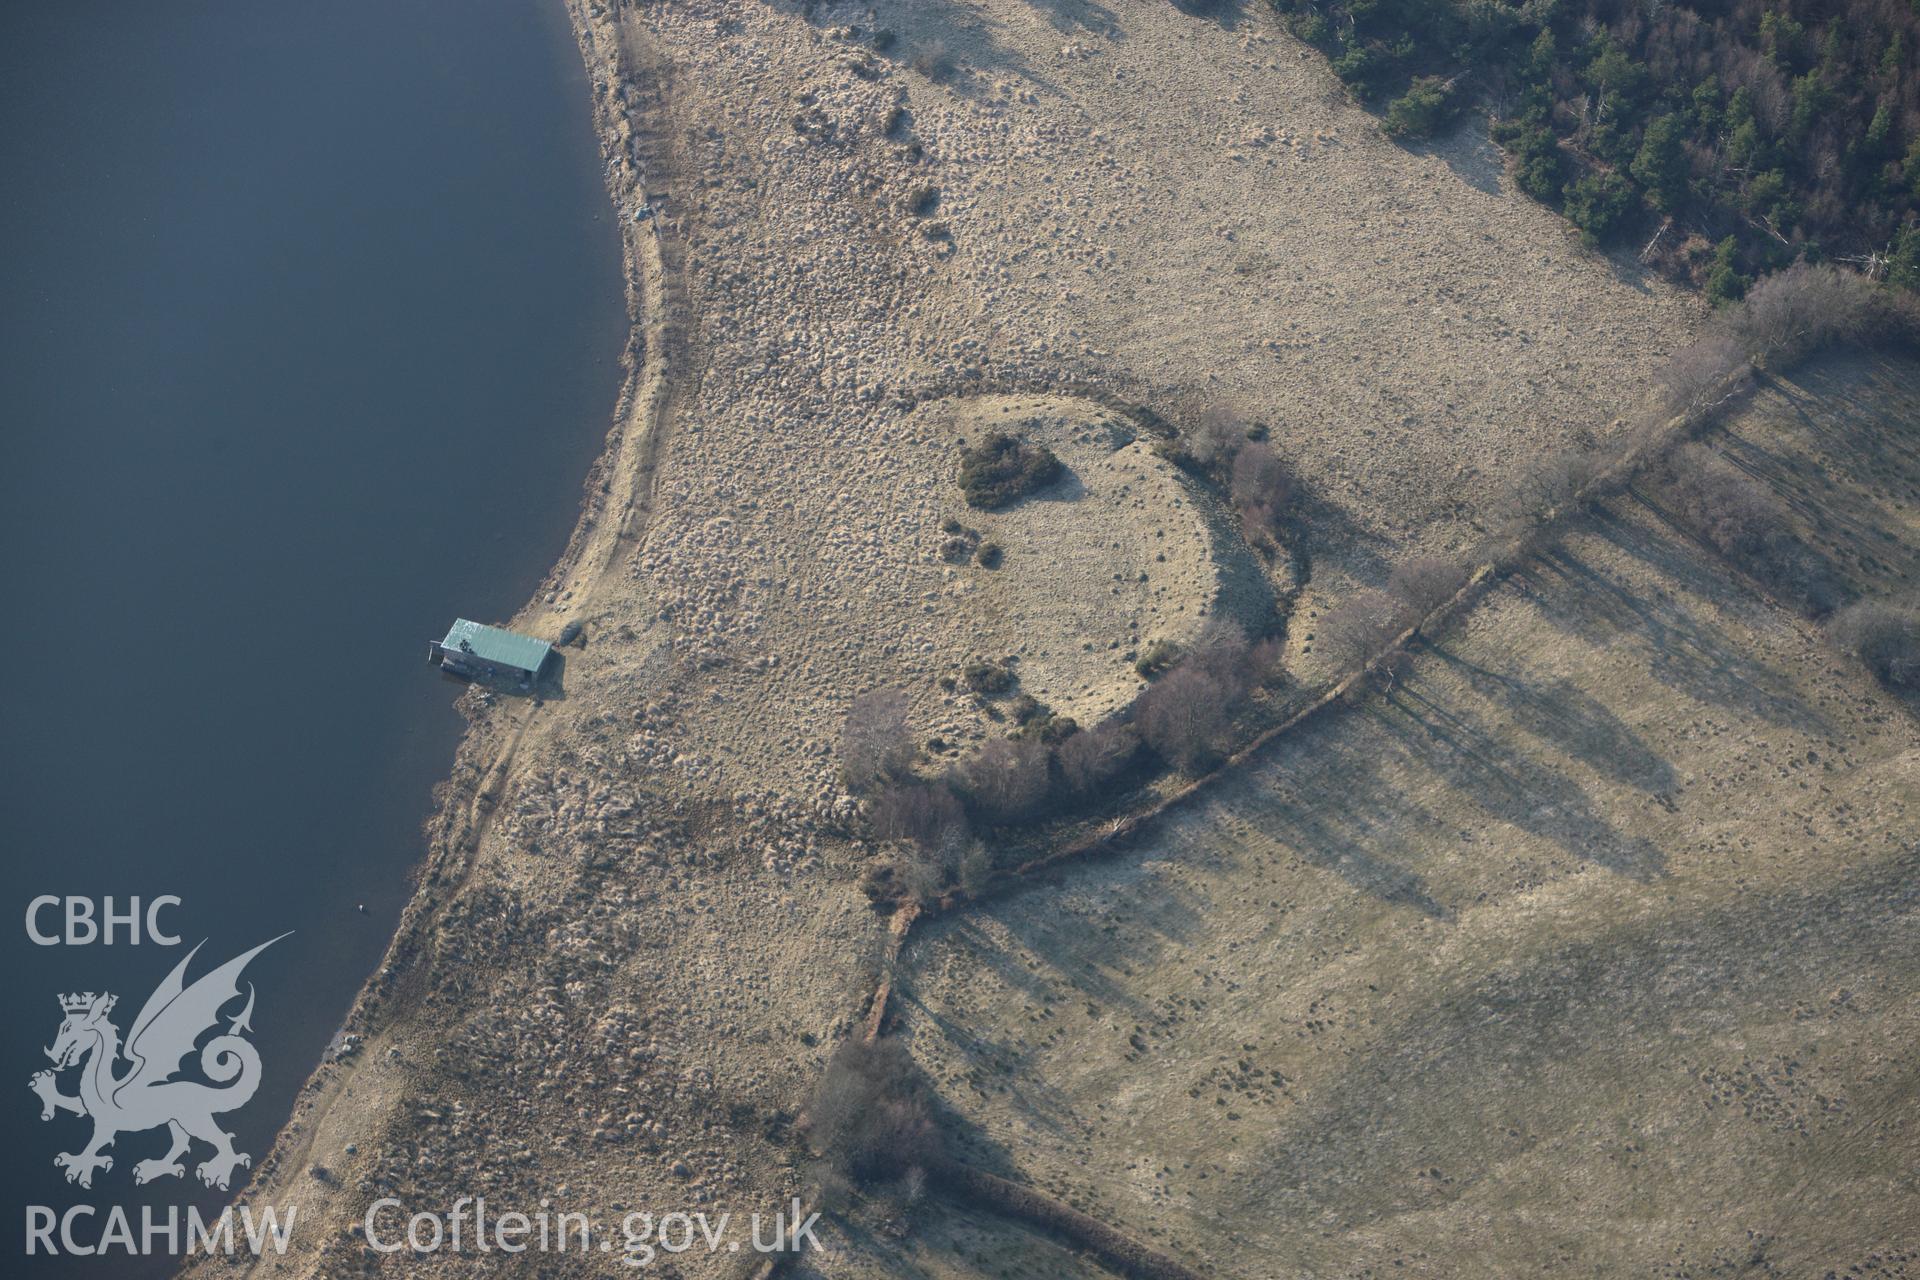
(507,648)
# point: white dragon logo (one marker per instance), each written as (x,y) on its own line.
(147,1096)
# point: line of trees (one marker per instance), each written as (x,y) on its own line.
(1181,720)
(1786,317)
(1235,454)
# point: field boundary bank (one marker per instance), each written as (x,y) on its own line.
(1709,411)
(1645,449)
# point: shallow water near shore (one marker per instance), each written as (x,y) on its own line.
(313,318)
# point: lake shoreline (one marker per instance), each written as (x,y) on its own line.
(612,512)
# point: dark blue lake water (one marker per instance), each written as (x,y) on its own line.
(311,326)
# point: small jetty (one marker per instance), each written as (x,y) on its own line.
(475,650)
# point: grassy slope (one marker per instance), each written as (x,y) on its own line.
(1592,946)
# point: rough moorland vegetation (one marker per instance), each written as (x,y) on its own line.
(1184,720)
(1766,130)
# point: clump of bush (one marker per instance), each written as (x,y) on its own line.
(1038,721)
(872,1116)
(1422,111)
(1156,659)
(1885,638)
(1002,469)
(960,544)
(1183,719)
(1355,633)
(1424,583)
(934,61)
(988,679)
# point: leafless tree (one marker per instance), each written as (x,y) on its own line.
(1425,583)
(1721,503)
(1263,522)
(1355,632)
(1225,655)
(976,866)
(872,1115)
(1183,717)
(1550,482)
(1265,658)
(1897,317)
(1260,476)
(1795,311)
(1701,374)
(926,871)
(926,813)
(1006,779)
(1264,491)
(874,743)
(1739,516)
(1094,757)
(1219,434)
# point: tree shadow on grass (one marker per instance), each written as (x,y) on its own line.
(1857,401)
(1573,721)
(1000,1067)
(1335,539)
(1071,16)
(956,45)
(1469,154)
(1508,784)
(1327,806)
(1100,924)
(1685,652)
(1063,953)
(1227,13)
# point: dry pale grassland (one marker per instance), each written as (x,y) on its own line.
(1091,196)
(639,931)
(1124,550)
(1590,949)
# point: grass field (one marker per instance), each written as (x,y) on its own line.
(1588,948)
